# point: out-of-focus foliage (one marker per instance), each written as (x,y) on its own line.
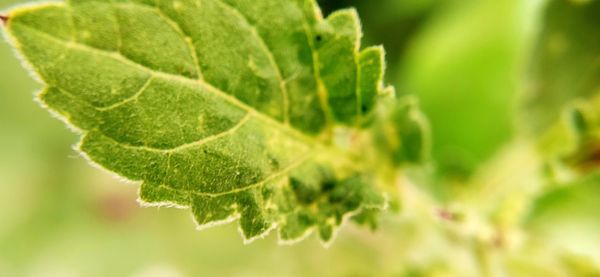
(561,99)
(562,103)
(566,217)
(465,66)
(565,61)
(506,203)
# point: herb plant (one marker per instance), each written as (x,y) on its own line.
(262,111)
(269,113)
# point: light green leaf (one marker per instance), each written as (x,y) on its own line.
(232,108)
(567,217)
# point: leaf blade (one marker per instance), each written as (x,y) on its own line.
(186,127)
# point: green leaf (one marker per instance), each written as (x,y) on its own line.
(232,108)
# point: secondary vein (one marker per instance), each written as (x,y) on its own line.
(267,179)
(189,145)
(270,57)
(130,99)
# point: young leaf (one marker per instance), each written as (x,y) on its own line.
(225,106)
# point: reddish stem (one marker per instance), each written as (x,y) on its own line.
(4,18)
(446,215)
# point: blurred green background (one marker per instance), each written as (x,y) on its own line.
(490,75)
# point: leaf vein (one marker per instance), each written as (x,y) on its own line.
(322,92)
(270,56)
(182,79)
(175,25)
(189,145)
(134,97)
(267,179)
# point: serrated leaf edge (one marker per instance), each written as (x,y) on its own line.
(30,69)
